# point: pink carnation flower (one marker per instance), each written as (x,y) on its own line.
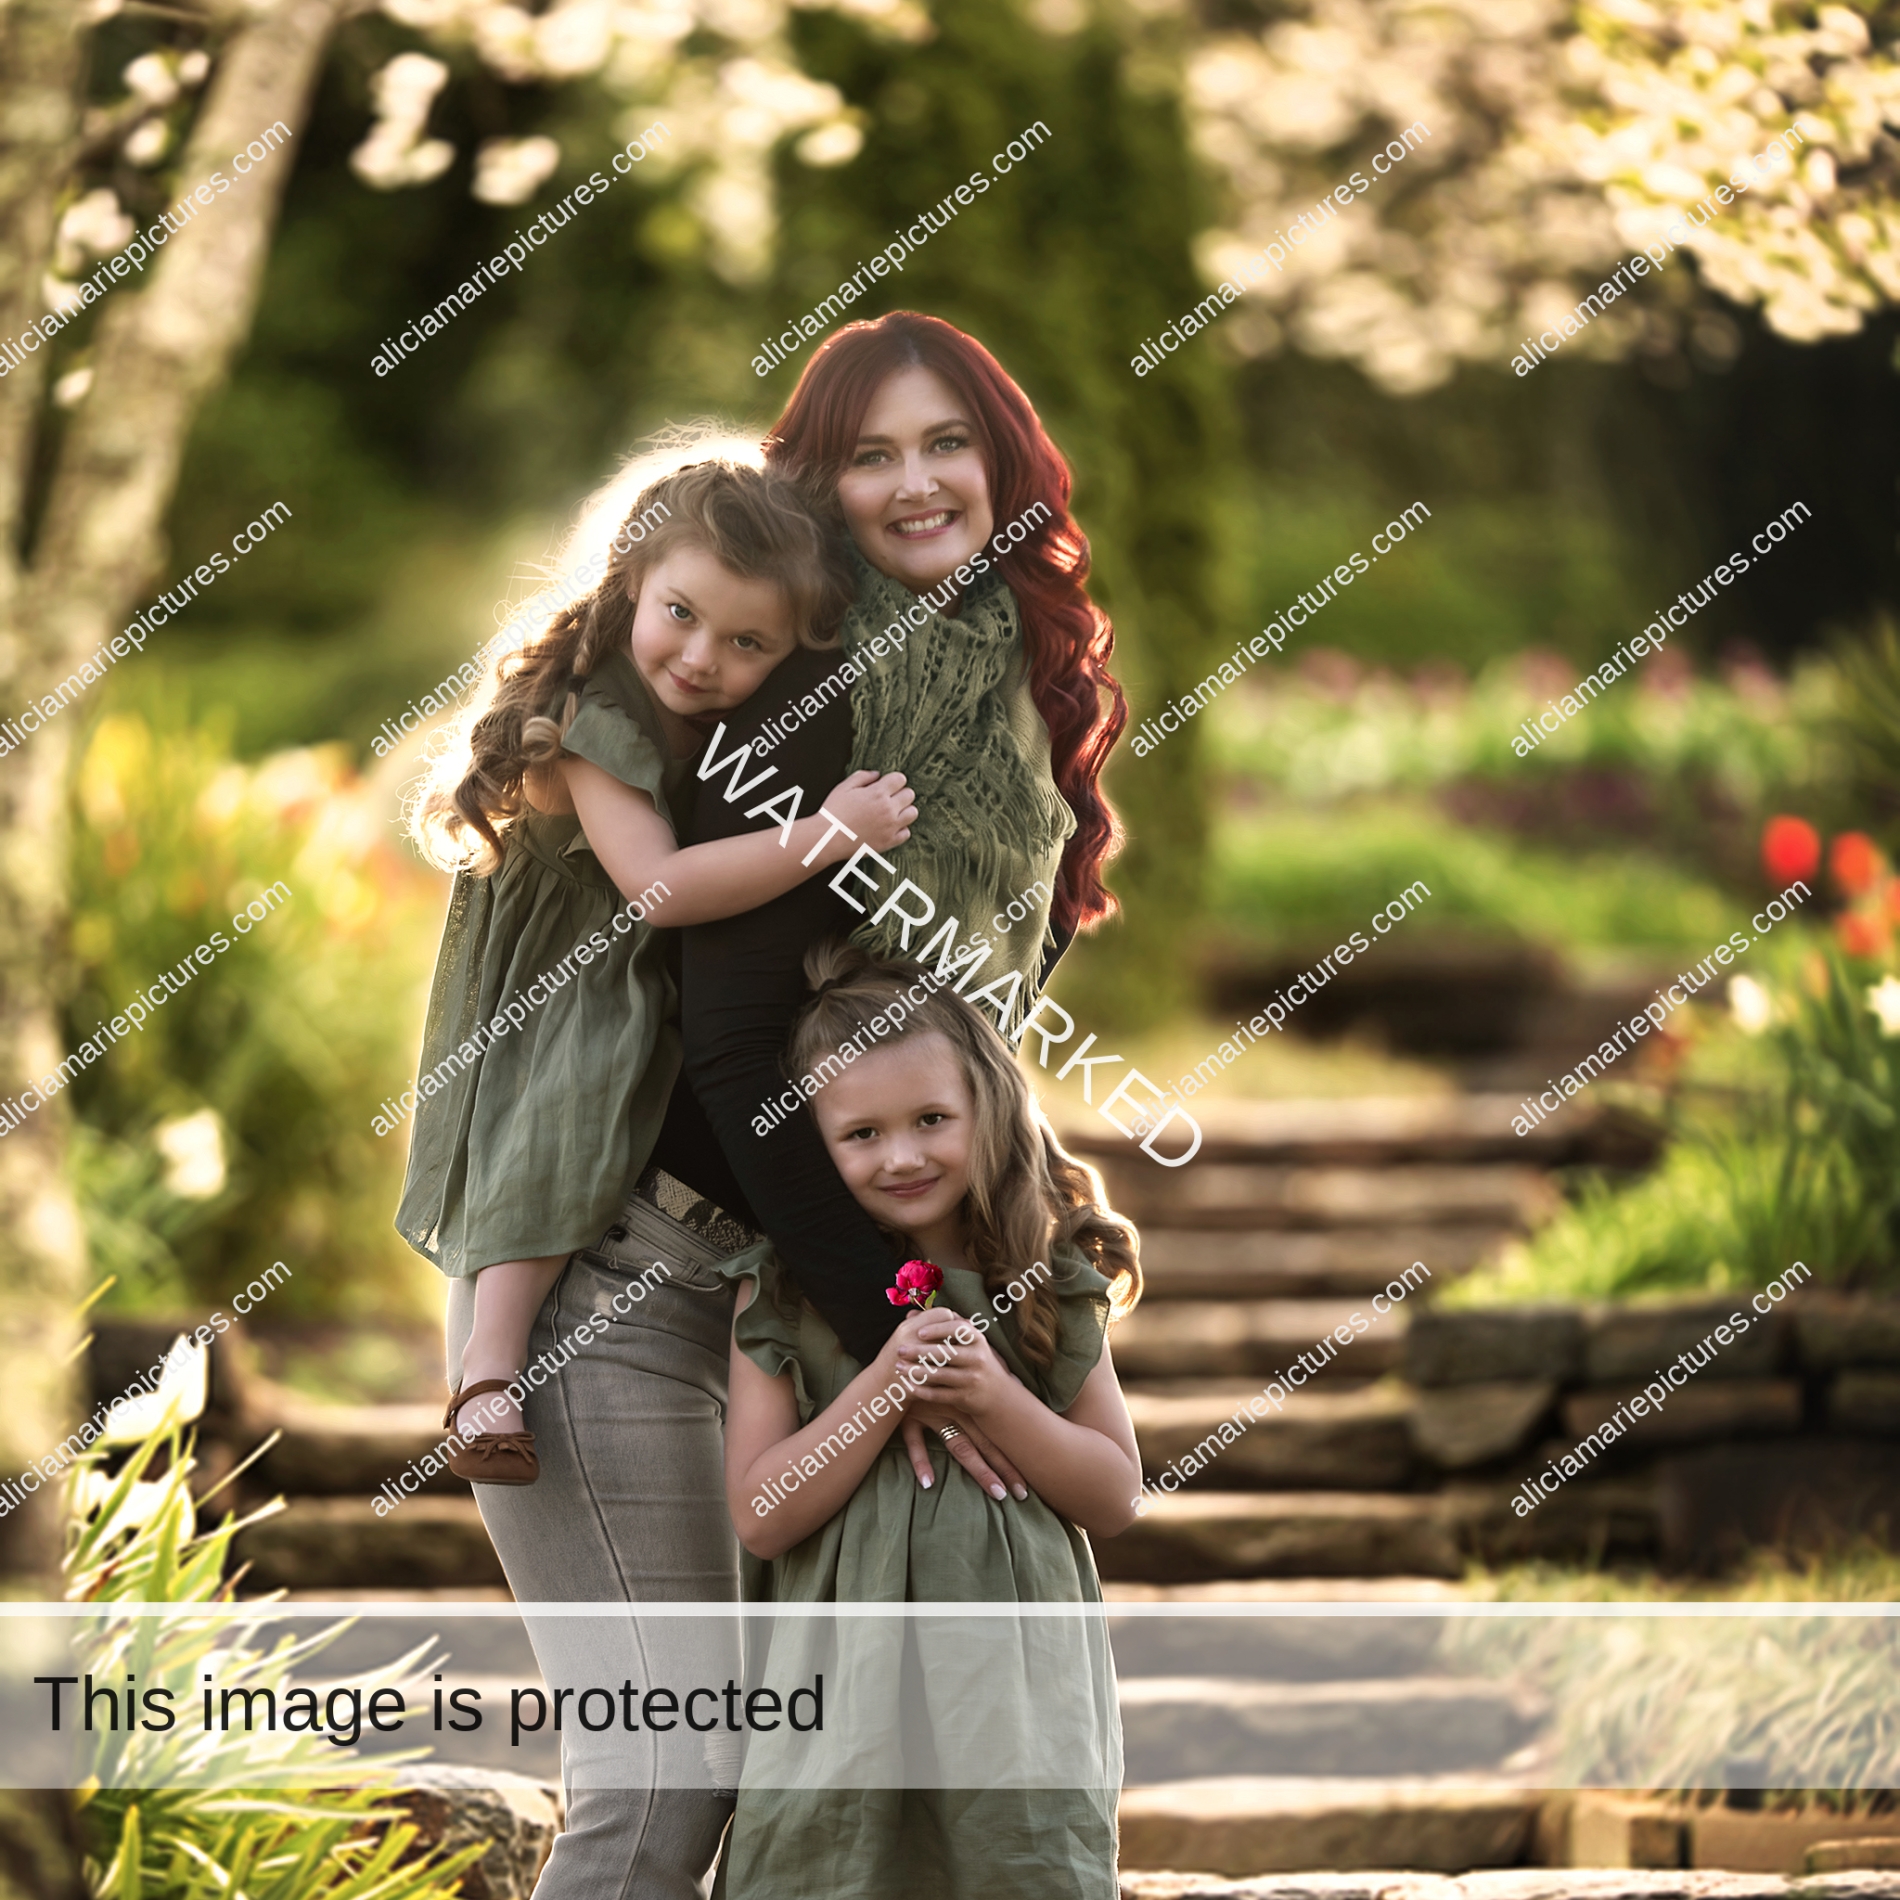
(917,1284)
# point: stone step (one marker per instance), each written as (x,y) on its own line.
(1252,1195)
(1288,1590)
(1238,1825)
(1179,1728)
(316,1543)
(1516,1883)
(1266,1646)
(1185,1263)
(348,1450)
(1190,1339)
(1273,1648)
(1382,1131)
(1198,1536)
(1350,1441)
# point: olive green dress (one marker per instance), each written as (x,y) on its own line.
(526,1143)
(972,1713)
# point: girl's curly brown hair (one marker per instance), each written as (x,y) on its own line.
(1027,1194)
(751,521)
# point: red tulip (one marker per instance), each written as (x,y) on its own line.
(1854,860)
(1861,933)
(1790,850)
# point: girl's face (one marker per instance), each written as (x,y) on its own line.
(915,494)
(704,637)
(899,1122)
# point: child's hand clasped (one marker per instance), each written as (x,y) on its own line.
(880,810)
(963,1367)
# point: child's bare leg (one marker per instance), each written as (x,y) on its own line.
(508,1295)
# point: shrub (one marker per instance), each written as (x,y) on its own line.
(234,1127)
(159,1816)
(1805,1167)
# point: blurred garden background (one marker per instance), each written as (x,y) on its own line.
(1565,508)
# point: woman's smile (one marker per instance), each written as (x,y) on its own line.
(915,527)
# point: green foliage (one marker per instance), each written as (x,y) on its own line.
(1665,1705)
(1806,1168)
(1292,878)
(289,1038)
(1317,735)
(1869,725)
(163,1813)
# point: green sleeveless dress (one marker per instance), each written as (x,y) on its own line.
(527,1142)
(1009,1697)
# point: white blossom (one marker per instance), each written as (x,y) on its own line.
(511,171)
(150,80)
(1564,134)
(193,1150)
(395,153)
(1884,1000)
(1751,1003)
(93,226)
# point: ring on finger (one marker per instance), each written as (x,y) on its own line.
(949,1432)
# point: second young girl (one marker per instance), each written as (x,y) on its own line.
(937,1136)
(549,1053)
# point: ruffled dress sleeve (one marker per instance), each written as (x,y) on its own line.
(1082,1302)
(768,1330)
(615,727)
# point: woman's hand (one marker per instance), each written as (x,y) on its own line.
(879,810)
(970,1448)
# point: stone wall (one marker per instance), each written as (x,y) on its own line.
(1785,1437)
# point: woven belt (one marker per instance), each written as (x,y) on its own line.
(673,1198)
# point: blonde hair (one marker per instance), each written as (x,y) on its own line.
(1027,1194)
(757,524)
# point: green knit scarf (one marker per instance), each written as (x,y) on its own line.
(991,824)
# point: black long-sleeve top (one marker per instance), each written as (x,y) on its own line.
(741,983)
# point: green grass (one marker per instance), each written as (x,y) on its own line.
(1665,1704)
(1293,877)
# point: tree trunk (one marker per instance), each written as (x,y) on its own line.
(156,354)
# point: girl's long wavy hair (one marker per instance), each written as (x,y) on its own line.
(1027,1194)
(1067,638)
(753,521)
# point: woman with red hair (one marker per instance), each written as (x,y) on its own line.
(977,665)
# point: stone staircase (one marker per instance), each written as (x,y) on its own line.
(1290,1219)
(1280,1743)
(1269,1744)
(1283,1228)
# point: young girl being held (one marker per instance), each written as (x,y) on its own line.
(548,1042)
(936,1134)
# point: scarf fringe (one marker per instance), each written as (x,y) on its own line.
(991,825)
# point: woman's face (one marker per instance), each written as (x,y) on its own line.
(915,493)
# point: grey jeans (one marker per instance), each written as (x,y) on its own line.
(630,1508)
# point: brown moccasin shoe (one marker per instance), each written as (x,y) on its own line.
(489,1457)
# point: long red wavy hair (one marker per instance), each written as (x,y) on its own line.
(1067,638)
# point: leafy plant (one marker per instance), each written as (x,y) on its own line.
(1665,1703)
(163,1812)
(274,1058)
(1868,722)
